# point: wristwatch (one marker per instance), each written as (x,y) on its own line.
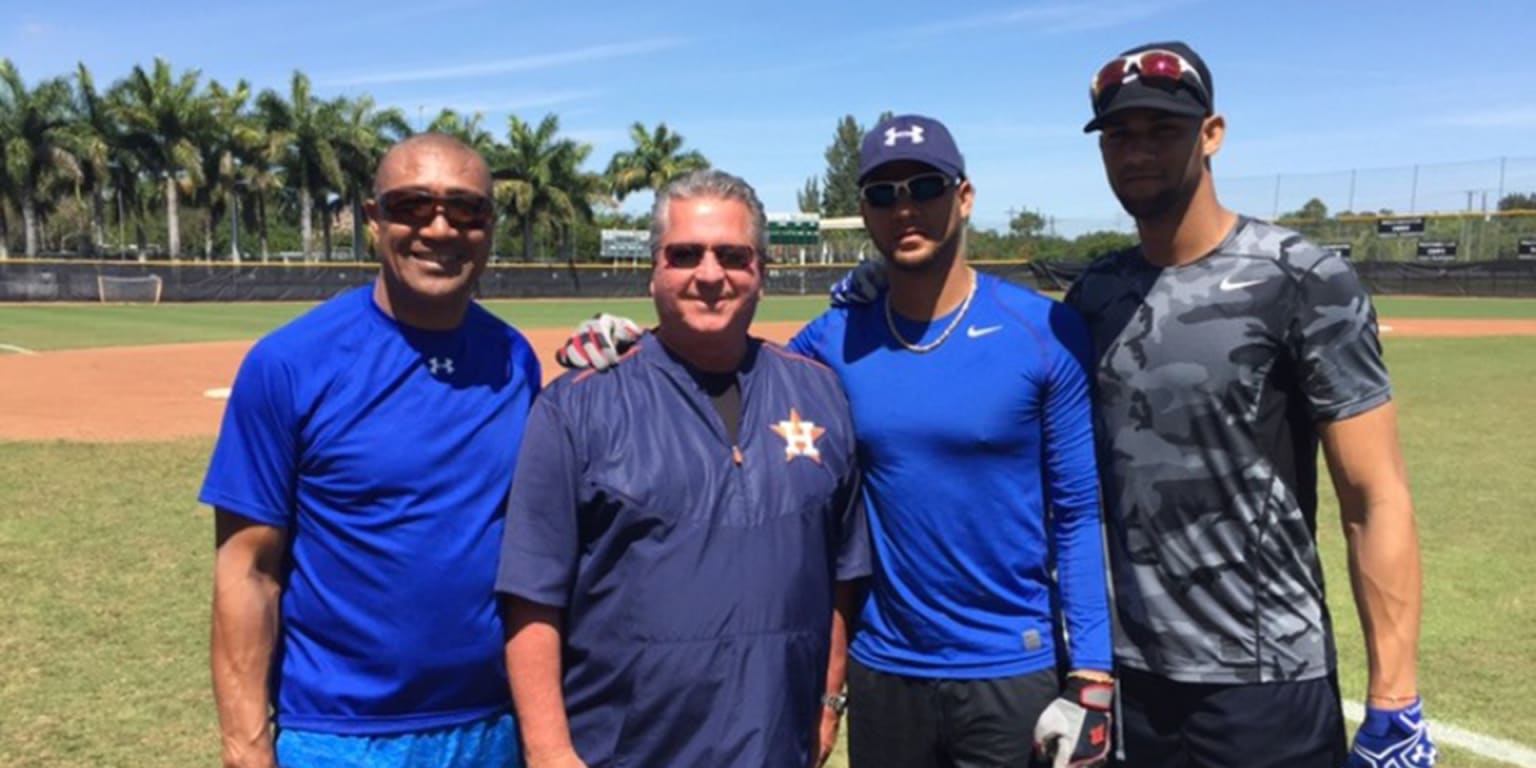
(837,702)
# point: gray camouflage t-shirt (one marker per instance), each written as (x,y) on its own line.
(1211,378)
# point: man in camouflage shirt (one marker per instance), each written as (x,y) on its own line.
(1227,349)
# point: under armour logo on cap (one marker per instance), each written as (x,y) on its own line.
(910,137)
(913,134)
(440,366)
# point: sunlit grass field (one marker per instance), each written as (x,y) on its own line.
(105,556)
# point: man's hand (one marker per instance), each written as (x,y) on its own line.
(826,735)
(861,285)
(598,342)
(562,760)
(258,756)
(1074,730)
(1393,737)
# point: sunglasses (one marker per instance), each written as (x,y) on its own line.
(691,255)
(418,208)
(1154,65)
(919,189)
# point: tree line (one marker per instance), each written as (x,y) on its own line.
(158,141)
(141,152)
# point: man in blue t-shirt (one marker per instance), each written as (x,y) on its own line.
(680,530)
(970,400)
(358,484)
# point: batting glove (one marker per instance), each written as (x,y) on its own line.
(1393,738)
(1073,731)
(598,342)
(861,285)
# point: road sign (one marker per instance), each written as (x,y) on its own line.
(1437,250)
(624,244)
(794,229)
(1399,227)
(1344,250)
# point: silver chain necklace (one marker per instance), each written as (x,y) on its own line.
(890,322)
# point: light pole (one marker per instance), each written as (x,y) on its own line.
(234,221)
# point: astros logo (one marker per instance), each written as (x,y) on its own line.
(799,437)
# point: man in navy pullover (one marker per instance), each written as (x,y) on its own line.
(676,528)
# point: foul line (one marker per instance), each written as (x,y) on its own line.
(16,349)
(1461,738)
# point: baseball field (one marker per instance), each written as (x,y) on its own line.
(107,416)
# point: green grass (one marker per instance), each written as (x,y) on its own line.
(1455,307)
(1466,410)
(40,327)
(105,559)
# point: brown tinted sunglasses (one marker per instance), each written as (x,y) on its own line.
(417,208)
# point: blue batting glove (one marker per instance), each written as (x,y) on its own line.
(861,285)
(1393,738)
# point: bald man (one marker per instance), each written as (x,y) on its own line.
(359,486)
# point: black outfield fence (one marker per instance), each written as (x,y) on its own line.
(86,281)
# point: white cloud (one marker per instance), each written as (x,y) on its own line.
(507,66)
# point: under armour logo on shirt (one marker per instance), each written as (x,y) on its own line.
(913,134)
(440,366)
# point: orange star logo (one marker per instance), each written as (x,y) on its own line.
(799,437)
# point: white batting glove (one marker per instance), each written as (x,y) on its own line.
(599,342)
(1073,731)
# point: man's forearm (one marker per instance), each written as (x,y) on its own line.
(245,624)
(845,606)
(1385,574)
(533,669)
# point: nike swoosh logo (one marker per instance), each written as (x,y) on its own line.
(1228,285)
(975,333)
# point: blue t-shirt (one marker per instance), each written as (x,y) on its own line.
(386,453)
(696,576)
(964,449)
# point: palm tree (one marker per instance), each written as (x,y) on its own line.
(464,128)
(365,134)
(535,177)
(34,140)
(96,141)
(228,135)
(162,114)
(656,159)
(261,179)
(311,125)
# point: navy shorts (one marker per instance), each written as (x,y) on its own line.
(1170,724)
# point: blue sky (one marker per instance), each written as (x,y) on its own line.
(1311,90)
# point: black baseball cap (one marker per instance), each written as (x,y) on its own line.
(1191,93)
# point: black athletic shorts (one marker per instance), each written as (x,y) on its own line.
(913,722)
(1168,724)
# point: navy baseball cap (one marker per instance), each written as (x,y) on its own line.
(1181,83)
(910,137)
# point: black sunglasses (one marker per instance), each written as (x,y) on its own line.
(920,189)
(691,255)
(418,208)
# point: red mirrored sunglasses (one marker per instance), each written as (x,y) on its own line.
(1154,65)
(418,208)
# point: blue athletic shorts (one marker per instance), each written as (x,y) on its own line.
(489,743)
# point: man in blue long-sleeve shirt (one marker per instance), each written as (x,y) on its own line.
(970,400)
